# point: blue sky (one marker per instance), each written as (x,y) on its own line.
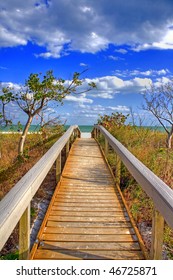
(125,45)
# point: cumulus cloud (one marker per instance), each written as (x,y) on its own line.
(78,98)
(86,25)
(109,86)
(92,112)
(137,72)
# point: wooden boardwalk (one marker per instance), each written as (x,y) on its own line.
(86,218)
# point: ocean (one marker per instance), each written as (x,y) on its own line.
(35,128)
(83,128)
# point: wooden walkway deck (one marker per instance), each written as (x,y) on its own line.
(86,218)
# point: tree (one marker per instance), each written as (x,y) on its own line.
(36,94)
(114,120)
(159,101)
(5,98)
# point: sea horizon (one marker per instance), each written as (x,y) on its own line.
(83,128)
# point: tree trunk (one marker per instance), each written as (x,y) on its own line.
(169,138)
(23,136)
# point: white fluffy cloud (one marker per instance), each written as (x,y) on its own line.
(137,72)
(79,99)
(85,25)
(109,86)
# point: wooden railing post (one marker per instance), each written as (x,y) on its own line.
(58,168)
(118,171)
(94,133)
(24,235)
(106,147)
(75,133)
(157,235)
(78,133)
(72,138)
(67,148)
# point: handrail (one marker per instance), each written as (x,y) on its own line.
(17,200)
(156,189)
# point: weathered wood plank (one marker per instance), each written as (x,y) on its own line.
(118,246)
(100,231)
(87,188)
(97,204)
(84,191)
(89,255)
(89,237)
(87,214)
(121,224)
(101,200)
(75,207)
(88,219)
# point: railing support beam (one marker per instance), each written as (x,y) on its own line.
(118,171)
(67,148)
(24,235)
(58,168)
(157,235)
(106,147)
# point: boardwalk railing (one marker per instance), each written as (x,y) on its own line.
(15,206)
(160,193)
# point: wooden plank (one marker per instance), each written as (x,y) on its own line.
(91,198)
(88,255)
(86,181)
(88,237)
(86,214)
(121,224)
(86,191)
(86,204)
(118,246)
(93,230)
(86,195)
(88,219)
(87,188)
(75,207)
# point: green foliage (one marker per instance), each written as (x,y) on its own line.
(10,256)
(135,211)
(168,241)
(33,212)
(114,120)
